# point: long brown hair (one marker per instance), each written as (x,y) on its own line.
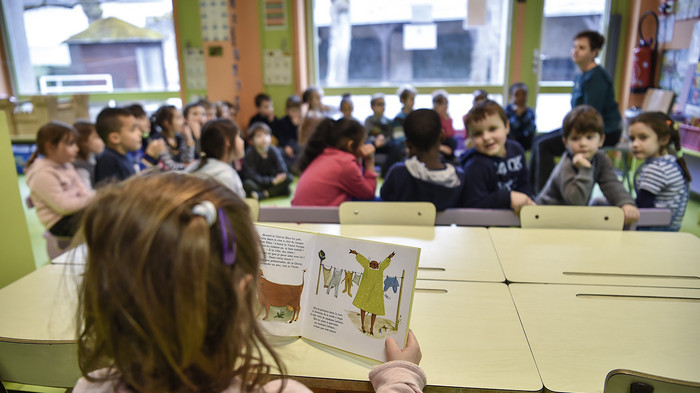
(158,306)
(663,126)
(52,133)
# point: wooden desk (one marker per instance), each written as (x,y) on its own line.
(447,253)
(37,329)
(580,333)
(469,333)
(654,259)
(470,337)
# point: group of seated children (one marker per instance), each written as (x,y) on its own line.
(337,164)
(337,161)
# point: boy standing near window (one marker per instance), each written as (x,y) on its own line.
(583,165)
(495,171)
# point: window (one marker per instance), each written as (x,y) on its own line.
(562,20)
(126,46)
(390,42)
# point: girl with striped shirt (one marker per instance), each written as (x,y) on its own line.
(662,180)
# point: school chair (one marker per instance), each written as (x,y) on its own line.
(300,214)
(387,213)
(572,217)
(628,381)
(254,207)
(471,217)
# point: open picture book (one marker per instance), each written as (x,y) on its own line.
(347,293)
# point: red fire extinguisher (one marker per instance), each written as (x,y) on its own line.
(644,58)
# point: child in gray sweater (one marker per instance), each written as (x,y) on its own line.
(583,165)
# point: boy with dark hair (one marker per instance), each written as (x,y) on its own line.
(264,171)
(266,111)
(118,129)
(423,177)
(286,130)
(497,177)
(520,116)
(583,165)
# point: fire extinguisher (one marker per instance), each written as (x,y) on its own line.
(644,58)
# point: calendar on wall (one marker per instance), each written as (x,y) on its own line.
(277,67)
(214,20)
(194,68)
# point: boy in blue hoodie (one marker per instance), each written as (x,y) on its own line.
(495,170)
(423,176)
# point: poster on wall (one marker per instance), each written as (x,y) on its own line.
(214,20)
(275,14)
(692,103)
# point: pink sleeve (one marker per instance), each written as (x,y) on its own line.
(357,184)
(397,376)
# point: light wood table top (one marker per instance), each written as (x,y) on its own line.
(41,305)
(579,333)
(469,334)
(447,253)
(470,337)
(655,259)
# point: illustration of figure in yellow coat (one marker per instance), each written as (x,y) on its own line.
(370,294)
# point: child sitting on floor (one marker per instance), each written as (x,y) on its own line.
(221,145)
(89,147)
(583,165)
(57,191)
(265,174)
(424,176)
(330,169)
(662,180)
(494,169)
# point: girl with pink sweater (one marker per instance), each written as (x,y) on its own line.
(57,191)
(187,321)
(330,165)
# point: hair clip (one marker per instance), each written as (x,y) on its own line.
(672,124)
(228,252)
(207,210)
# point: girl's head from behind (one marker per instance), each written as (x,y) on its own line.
(221,139)
(167,299)
(343,134)
(56,141)
(89,142)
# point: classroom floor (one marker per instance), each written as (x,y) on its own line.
(691,220)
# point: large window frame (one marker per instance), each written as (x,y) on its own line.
(460,93)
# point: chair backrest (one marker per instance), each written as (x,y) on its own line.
(471,217)
(628,381)
(652,217)
(572,217)
(387,213)
(254,207)
(300,214)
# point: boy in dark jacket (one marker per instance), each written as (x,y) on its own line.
(495,169)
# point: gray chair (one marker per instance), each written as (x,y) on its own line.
(628,381)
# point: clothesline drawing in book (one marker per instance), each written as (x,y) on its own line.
(300,292)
